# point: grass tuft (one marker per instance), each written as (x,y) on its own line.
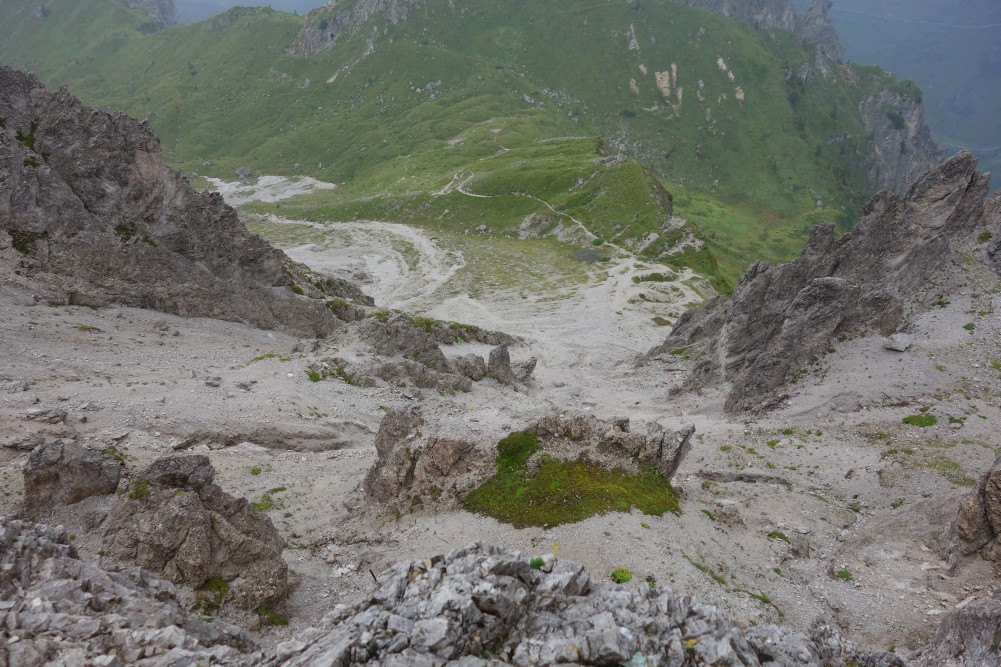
(921,421)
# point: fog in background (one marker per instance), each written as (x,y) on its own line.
(951,48)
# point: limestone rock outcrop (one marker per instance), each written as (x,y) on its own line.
(90,211)
(407,351)
(977,528)
(411,465)
(500,368)
(63,473)
(175,522)
(761,13)
(902,254)
(902,145)
(482,605)
(56,609)
(815,25)
(616,443)
(477,605)
(968,637)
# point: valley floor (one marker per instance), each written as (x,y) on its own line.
(828,508)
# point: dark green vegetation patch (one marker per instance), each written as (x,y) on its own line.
(564,491)
(210,596)
(24,242)
(922,420)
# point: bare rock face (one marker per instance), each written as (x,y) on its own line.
(970,637)
(161,13)
(899,256)
(977,528)
(485,601)
(471,366)
(64,611)
(64,473)
(323,26)
(903,148)
(410,464)
(991,253)
(500,368)
(659,448)
(815,25)
(90,210)
(407,351)
(399,337)
(175,522)
(393,469)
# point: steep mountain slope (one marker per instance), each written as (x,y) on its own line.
(398,100)
(91,211)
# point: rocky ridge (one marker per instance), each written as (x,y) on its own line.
(161,13)
(477,605)
(814,24)
(93,214)
(901,256)
(482,605)
(59,610)
(325,24)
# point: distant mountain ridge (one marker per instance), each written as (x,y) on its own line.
(814,24)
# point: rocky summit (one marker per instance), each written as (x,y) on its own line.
(902,255)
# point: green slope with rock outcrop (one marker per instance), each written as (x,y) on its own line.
(518,118)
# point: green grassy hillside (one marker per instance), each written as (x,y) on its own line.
(522,105)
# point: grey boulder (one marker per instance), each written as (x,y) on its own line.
(64,473)
(175,522)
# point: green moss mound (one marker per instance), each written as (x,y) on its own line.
(564,491)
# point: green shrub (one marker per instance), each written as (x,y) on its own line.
(24,242)
(844,575)
(537,562)
(779,535)
(139,490)
(621,575)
